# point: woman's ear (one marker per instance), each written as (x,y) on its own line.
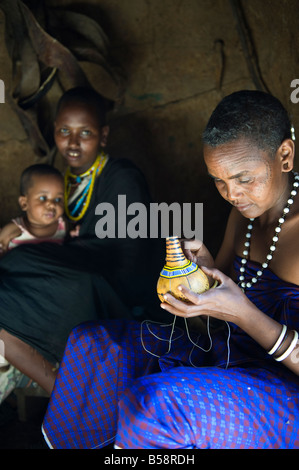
(23,203)
(287,154)
(104,135)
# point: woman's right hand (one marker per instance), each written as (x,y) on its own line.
(197,252)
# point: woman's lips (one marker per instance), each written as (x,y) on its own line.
(73,155)
(243,207)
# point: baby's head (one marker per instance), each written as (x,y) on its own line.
(80,127)
(42,194)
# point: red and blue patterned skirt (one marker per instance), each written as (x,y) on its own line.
(127,383)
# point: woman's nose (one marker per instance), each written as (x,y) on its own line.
(233,192)
(74,140)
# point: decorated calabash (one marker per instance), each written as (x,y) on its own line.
(178,270)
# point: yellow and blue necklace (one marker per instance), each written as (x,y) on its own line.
(77,207)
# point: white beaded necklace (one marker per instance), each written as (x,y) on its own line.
(242,281)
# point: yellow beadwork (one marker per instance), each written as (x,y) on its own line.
(96,170)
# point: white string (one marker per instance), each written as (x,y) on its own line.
(228,347)
(195,344)
(170,339)
(211,343)
(148,322)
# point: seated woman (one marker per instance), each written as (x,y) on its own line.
(47,289)
(158,387)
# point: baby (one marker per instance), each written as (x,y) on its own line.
(42,201)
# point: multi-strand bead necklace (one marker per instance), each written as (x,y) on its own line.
(243,283)
(90,176)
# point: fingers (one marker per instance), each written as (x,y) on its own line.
(192,245)
(75,232)
(215,274)
(191,296)
(198,303)
(184,309)
(179,308)
(3,249)
(191,248)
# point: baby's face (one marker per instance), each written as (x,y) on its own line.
(44,202)
(79,136)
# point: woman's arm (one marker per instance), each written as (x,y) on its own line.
(8,233)
(229,303)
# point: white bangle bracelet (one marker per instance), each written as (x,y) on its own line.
(279,341)
(290,348)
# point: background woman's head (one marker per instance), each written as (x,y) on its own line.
(87,97)
(80,128)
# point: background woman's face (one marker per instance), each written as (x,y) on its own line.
(245,176)
(78,135)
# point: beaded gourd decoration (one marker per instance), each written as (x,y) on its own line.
(178,270)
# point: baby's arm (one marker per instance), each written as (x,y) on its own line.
(8,233)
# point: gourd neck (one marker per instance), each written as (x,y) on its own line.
(174,253)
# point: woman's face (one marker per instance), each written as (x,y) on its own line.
(79,136)
(247,177)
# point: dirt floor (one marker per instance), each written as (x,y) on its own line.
(18,434)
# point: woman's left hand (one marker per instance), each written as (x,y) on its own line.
(75,231)
(226,302)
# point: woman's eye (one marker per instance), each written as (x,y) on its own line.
(245,181)
(85,133)
(58,200)
(63,131)
(42,198)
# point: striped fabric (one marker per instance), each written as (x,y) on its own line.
(238,408)
(109,388)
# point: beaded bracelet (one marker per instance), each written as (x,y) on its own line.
(290,348)
(279,341)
